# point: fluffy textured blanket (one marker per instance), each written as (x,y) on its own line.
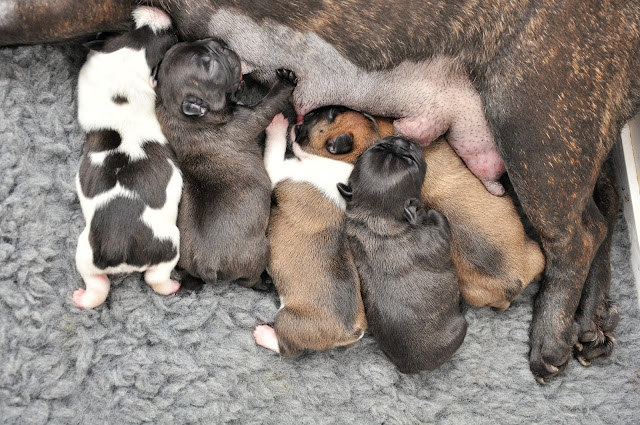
(145,358)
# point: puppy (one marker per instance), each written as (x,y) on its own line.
(225,204)
(128,184)
(493,256)
(402,252)
(311,266)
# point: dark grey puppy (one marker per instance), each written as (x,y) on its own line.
(224,210)
(409,284)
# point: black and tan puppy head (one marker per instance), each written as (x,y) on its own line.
(340,133)
(198,81)
(387,179)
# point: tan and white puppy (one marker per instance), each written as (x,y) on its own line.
(494,257)
(128,183)
(310,264)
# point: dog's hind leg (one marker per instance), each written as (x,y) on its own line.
(556,99)
(97,289)
(572,229)
(597,315)
(158,277)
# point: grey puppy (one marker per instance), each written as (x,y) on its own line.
(224,210)
(403,254)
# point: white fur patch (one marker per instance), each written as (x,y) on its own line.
(125,73)
(323,173)
(153,17)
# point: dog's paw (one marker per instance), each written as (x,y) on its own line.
(278,125)
(596,337)
(77,298)
(551,347)
(85,300)
(266,337)
(288,76)
(166,288)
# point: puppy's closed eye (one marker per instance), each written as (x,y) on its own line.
(194,106)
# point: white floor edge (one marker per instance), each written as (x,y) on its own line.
(627,158)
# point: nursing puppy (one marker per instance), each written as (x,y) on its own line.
(310,263)
(493,256)
(128,183)
(225,204)
(402,252)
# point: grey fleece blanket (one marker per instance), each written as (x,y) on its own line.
(145,358)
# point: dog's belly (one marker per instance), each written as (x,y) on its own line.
(428,98)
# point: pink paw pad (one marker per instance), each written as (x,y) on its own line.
(166,288)
(266,337)
(83,300)
(279,123)
(77,297)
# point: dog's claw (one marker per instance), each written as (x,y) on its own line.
(596,338)
(583,361)
(287,75)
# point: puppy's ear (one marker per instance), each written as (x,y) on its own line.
(341,144)
(411,211)
(345,191)
(95,45)
(194,106)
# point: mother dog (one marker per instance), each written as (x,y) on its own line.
(546,85)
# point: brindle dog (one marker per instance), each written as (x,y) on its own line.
(543,86)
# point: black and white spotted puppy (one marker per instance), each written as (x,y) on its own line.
(128,184)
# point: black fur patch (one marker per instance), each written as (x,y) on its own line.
(147,177)
(120,99)
(344,275)
(118,235)
(155,44)
(483,255)
(512,292)
(102,140)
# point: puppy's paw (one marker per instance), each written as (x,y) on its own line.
(278,125)
(435,218)
(166,288)
(84,300)
(266,337)
(77,297)
(596,338)
(288,76)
